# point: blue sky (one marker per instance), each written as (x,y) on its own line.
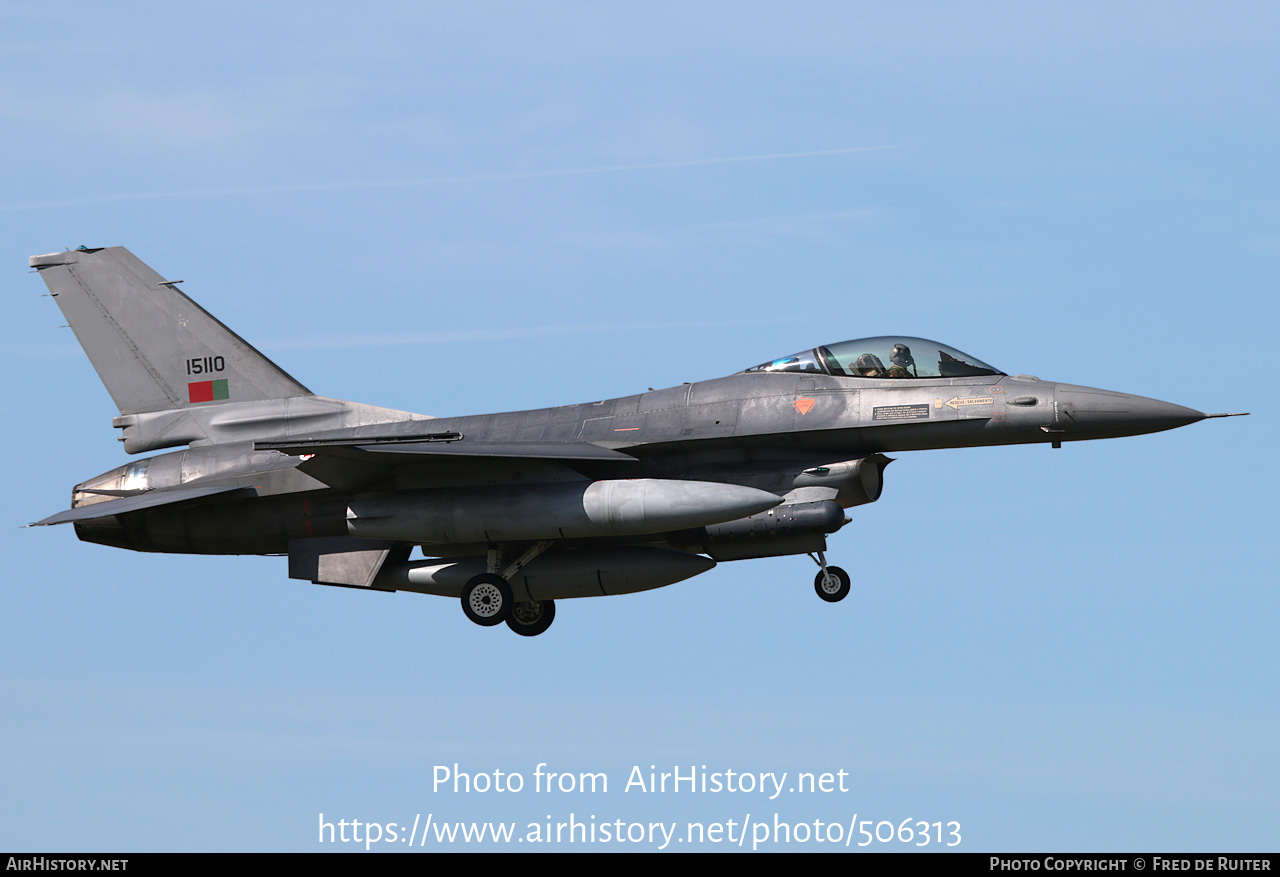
(460,208)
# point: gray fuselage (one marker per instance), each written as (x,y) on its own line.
(760,430)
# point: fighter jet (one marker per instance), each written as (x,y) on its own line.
(515,511)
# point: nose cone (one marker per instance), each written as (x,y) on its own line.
(1083,412)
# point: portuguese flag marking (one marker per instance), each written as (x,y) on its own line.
(208,391)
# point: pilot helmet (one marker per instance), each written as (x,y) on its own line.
(869,361)
(901,355)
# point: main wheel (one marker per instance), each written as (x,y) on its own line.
(834,585)
(531,619)
(486,599)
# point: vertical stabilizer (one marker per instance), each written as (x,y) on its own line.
(154,348)
(178,375)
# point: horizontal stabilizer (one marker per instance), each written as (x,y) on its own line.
(133,503)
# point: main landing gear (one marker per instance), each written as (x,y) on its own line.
(832,583)
(532,618)
(488,601)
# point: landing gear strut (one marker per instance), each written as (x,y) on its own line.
(832,583)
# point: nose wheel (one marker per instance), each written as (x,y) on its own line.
(831,583)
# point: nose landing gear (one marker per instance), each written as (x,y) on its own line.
(832,583)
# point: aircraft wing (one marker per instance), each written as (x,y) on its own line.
(356,463)
(146,500)
(411,451)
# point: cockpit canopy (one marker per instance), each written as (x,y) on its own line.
(888,356)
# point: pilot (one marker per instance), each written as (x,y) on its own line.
(903,363)
(869,366)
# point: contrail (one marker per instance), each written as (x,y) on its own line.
(453,336)
(436,181)
(388,339)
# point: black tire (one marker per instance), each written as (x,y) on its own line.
(834,586)
(531,619)
(486,599)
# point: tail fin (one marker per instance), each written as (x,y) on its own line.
(178,375)
(154,348)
